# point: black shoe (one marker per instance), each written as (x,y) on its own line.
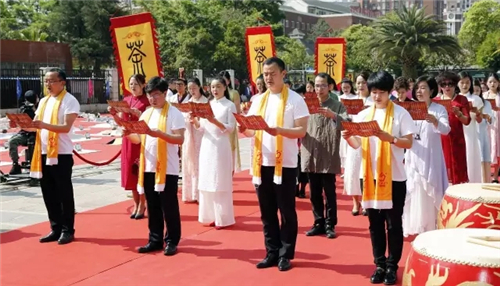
(150,247)
(52,236)
(132,216)
(16,169)
(284,264)
(391,277)
(270,261)
(139,216)
(65,238)
(365,213)
(378,276)
(171,249)
(316,230)
(330,232)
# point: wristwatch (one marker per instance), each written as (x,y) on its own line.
(394,140)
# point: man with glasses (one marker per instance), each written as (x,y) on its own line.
(181,96)
(320,157)
(53,120)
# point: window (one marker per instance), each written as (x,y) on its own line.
(286,23)
(308,27)
(303,26)
(293,24)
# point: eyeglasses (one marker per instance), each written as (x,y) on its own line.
(447,84)
(321,86)
(50,81)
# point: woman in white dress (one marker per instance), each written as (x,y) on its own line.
(191,147)
(483,134)
(493,84)
(215,175)
(471,131)
(346,92)
(352,184)
(424,163)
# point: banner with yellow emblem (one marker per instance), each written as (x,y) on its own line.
(259,43)
(330,57)
(136,47)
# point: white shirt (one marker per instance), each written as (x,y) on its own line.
(402,125)
(69,105)
(175,121)
(295,108)
(174,98)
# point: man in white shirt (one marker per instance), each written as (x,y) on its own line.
(280,242)
(162,204)
(56,184)
(386,209)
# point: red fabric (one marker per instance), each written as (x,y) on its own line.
(454,144)
(131,152)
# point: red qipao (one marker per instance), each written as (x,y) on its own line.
(454,143)
(131,152)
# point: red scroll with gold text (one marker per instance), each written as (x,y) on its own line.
(259,43)
(136,47)
(330,57)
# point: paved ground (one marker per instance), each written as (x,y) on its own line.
(94,187)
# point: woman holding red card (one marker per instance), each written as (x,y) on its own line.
(454,143)
(138,103)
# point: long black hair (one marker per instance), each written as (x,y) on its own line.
(222,80)
(226,75)
(197,82)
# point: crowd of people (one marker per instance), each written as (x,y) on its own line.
(396,178)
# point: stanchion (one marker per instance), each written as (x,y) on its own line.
(94,163)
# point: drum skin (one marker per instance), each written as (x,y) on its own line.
(456,212)
(424,270)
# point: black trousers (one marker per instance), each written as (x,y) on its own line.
(319,183)
(278,241)
(163,208)
(302,177)
(393,219)
(57,192)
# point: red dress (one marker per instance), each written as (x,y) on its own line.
(454,143)
(130,152)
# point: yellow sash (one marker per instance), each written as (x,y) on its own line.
(52,142)
(161,153)
(379,196)
(257,149)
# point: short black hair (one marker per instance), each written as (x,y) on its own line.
(183,80)
(287,81)
(156,83)
(275,60)
(60,73)
(380,80)
(431,82)
(299,88)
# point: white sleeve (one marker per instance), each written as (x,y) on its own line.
(300,109)
(231,121)
(443,126)
(177,119)
(477,102)
(407,125)
(42,102)
(254,106)
(71,106)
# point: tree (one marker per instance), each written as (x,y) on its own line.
(406,35)
(487,53)
(359,56)
(321,29)
(293,53)
(24,19)
(84,25)
(480,20)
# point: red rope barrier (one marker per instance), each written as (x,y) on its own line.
(97,164)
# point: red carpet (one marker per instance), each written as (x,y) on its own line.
(104,250)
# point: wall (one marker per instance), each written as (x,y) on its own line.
(14,52)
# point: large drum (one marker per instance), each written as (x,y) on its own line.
(470,206)
(462,257)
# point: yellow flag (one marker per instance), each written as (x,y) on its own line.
(260,46)
(136,47)
(330,57)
